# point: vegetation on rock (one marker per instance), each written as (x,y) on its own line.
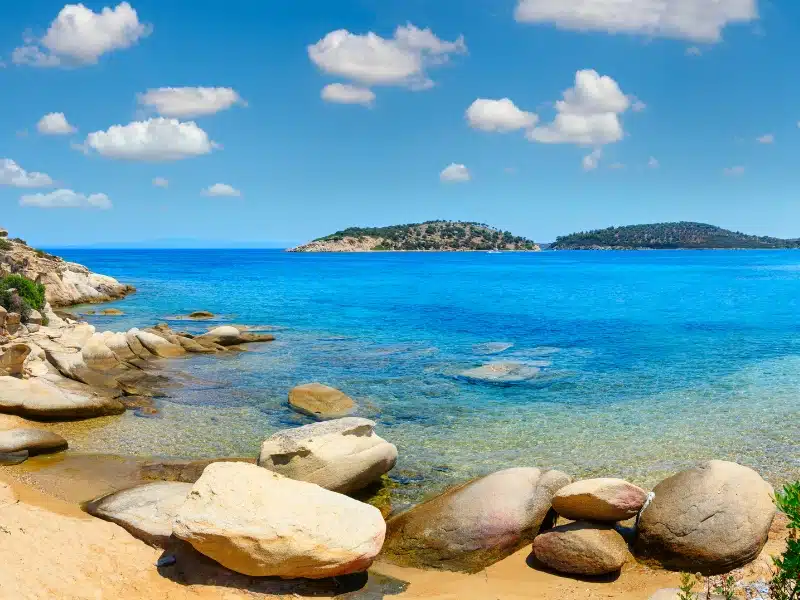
(668,236)
(30,295)
(785,584)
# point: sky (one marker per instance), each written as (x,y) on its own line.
(272,122)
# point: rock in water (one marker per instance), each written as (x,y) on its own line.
(201,314)
(259,523)
(40,398)
(602,499)
(145,511)
(343,455)
(35,441)
(501,372)
(475,524)
(582,548)
(320,401)
(227,335)
(710,519)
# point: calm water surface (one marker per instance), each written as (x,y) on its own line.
(633,364)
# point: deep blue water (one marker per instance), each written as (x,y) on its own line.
(632,363)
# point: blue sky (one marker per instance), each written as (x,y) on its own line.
(671,118)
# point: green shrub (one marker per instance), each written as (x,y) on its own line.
(785,584)
(31,295)
(5,244)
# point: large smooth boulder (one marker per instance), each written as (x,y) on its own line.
(320,401)
(43,399)
(476,524)
(159,346)
(710,519)
(343,455)
(118,344)
(259,523)
(582,548)
(227,335)
(135,345)
(35,441)
(145,511)
(604,499)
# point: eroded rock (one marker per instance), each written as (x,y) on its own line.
(604,499)
(320,401)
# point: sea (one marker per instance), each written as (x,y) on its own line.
(598,363)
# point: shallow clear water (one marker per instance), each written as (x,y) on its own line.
(632,364)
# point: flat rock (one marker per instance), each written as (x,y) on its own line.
(710,519)
(43,399)
(227,335)
(259,523)
(501,372)
(582,548)
(603,499)
(146,511)
(35,441)
(343,455)
(476,524)
(320,401)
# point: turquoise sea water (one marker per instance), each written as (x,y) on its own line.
(631,364)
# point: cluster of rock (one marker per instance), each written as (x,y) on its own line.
(65,283)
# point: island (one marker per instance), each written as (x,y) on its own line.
(683,235)
(430,236)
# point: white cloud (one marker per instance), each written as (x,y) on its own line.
(79,36)
(54,124)
(343,93)
(221,189)
(693,51)
(499,115)
(587,115)
(734,171)
(653,163)
(14,175)
(592,161)
(698,20)
(189,102)
(161,182)
(766,139)
(455,173)
(66,199)
(637,105)
(152,140)
(370,59)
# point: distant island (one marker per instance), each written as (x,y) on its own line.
(441,236)
(668,236)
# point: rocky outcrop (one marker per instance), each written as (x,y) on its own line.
(475,524)
(603,499)
(65,283)
(320,401)
(228,335)
(582,548)
(145,511)
(710,519)
(260,523)
(343,455)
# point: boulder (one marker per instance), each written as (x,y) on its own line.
(135,345)
(228,335)
(98,356)
(3,314)
(13,324)
(7,495)
(13,358)
(35,441)
(192,346)
(710,519)
(260,523)
(118,344)
(476,524)
(158,345)
(146,511)
(582,548)
(41,398)
(73,366)
(76,336)
(603,499)
(320,401)
(34,318)
(201,314)
(343,455)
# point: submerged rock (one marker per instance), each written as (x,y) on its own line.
(501,372)
(187,471)
(111,312)
(260,523)
(320,401)
(201,314)
(145,511)
(476,524)
(582,548)
(492,347)
(603,499)
(710,519)
(342,455)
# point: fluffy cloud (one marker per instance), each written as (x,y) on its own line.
(79,36)
(152,140)
(221,189)
(733,171)
(54,124)
(766,139)
(592,161)
(499,115)
(14,175)
(370,59)
(348,94)
(161,182)
(455,173)
(66,199)
(189,102)
(698,20)
(587,115)
(653,163)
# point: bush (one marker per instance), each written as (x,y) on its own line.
(5,244)
(31,295)
(785,584)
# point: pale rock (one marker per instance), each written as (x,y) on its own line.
(320,401)
(582,548)
(42,398)
(35,441)
(13,358)
(158,345)
(603,499)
